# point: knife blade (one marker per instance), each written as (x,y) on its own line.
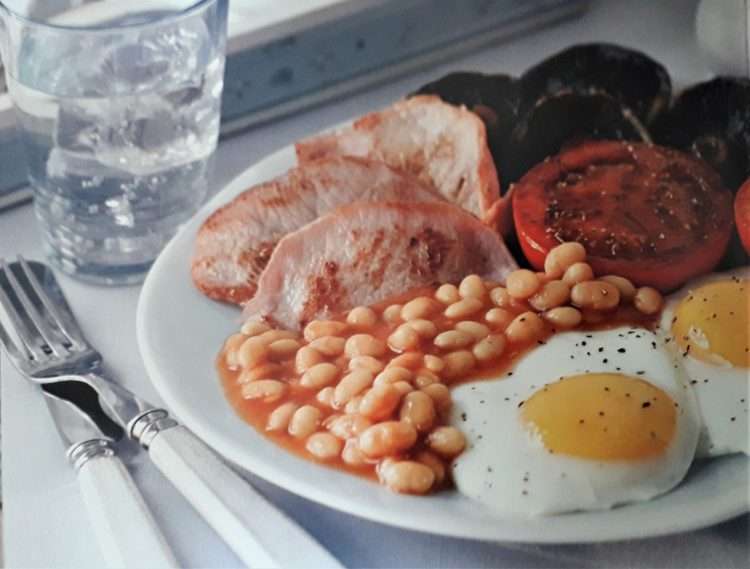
(124,527)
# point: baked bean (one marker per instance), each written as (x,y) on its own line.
(362,317)
(522,283)
(267,390)
(254,328)
(323,446)
(392,375)
(578,273)
(552,294)
(283,349)
(420,307)
(472,287)
(306,358)
(263,371)
(392,314)
(403,339)
(499,317)
(424,328)
(407,477)
(446,441)
(252,352)
(387,438)
(351,454)
(418,409)
(403,387)
(325,396)
(441,395)
(476,329)
(364,345)
(436,465)
(453,340)
(354,383)
(319,328)
(366,362)
(330,346)
(458,364)
(273,335)
(647,300)
(500,297)
(526,327)
(319,376)
(305,421)
(279,418)
(348,426)
(434,363)
(596,295)
(563,317)
(231,349)
(409,360)
(424,378)
(626,288)
(352,406)
(490,348)
(464,308)
(543,277)
(379,402)
(563,256)
(447,294)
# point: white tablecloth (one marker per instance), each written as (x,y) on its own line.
(44,520)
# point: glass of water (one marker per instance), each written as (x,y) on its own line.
(118,107)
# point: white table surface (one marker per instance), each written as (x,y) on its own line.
(44,521)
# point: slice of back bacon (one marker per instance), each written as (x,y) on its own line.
(363,253)
(444,145)
(234,244)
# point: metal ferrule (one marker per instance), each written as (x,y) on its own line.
(80,454)
(144,428)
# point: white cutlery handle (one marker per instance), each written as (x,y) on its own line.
(259,533)
(124,528)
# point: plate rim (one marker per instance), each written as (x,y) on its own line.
(520,530)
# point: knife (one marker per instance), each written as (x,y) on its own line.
(122,522)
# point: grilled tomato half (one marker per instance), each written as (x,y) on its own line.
(742,214)
(652,214)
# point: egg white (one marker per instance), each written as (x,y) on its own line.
(507,468)
(720,389)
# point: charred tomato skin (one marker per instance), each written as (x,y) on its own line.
(633,78)
(742,214)
(654,215)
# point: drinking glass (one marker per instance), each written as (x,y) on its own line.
(118,107)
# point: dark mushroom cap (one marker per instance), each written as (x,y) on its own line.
(639,82)
(712,120)
(566,118)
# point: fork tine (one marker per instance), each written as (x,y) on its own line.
(71,334)
(31,311)
(22,330)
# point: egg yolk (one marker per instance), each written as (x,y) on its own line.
(712,323)
(602,416)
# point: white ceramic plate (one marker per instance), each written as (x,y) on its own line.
(180,332)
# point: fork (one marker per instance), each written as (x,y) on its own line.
(47,350)
(259,533)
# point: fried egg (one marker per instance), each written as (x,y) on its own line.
(707,325)
(586,421)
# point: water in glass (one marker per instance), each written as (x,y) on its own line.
(120,125)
